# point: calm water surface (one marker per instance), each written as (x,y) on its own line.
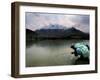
(50,52)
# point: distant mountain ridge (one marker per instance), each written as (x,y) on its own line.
(58,32)
(54,26)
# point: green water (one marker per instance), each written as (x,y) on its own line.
(50,52)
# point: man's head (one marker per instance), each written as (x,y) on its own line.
(75,53)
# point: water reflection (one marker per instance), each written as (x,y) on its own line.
(50,52)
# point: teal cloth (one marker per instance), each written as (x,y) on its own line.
(82,49)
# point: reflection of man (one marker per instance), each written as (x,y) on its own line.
(81,50)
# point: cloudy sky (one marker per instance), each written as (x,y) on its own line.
(36,21)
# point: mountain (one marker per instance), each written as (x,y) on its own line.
(30,35)
(56,32)
(59,31)
(55,26)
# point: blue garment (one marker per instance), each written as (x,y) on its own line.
(82,49)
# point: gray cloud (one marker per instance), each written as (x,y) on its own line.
(35,21)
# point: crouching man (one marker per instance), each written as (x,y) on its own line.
(82,52)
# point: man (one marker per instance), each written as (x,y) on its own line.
(81,50)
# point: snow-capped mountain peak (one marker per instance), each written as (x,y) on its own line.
(55,26)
